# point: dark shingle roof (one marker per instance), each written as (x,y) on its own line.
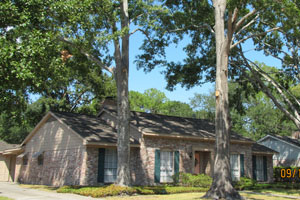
(5,146)
(288,139)
(261,148)
(164,124)
(90,127)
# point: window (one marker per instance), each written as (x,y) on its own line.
(25,160)
(166,166)
(235,167)
(40,159)
(259,168)
(110,165)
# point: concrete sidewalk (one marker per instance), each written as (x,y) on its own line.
(13,190)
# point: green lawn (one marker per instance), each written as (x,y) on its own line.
(161,192)
(281,191)
(189,196)
(5,198)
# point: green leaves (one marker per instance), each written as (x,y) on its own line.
(155,101)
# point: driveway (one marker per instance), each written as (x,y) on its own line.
(16,192)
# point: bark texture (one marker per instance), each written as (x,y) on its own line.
(121,74)
(221,187)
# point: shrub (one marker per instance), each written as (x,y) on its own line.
(244,183)
(111,190)
(190,180)
(166,189)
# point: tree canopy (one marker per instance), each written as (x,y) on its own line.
(156,102)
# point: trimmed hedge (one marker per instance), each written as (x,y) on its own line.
(244,183)
(287,174)
(113,190)
(191,180)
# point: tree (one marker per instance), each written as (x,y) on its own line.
(204,105)
(217,33)
(254,115)
(152,100)
(156,102)
(85,28)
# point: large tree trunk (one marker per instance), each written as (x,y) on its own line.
(222,183)
(122,72)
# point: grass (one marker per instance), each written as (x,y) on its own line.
(190,196)
(40,187)
(5,198)
(281,191)
(173,192)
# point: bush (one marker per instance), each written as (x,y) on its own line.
(111,190)
(190,180)
(244,183)
(166,189)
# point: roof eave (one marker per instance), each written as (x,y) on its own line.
(264,153)
(14,151)
(191,137)
(104,144)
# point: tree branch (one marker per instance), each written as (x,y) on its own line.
(89,56)
(203,26)
(266,90)
(254,35)
(133,19)
(141,30)
(241,21)
(246,26)
(278,87)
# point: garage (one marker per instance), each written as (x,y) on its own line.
(7,161)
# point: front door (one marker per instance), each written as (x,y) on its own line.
(197,163)
(202,162)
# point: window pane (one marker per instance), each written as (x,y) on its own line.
(166,166)
(234,165)
(110,165)
(259,168)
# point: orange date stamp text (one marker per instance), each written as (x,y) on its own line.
(289,173)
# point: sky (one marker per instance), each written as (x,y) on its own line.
(140,81)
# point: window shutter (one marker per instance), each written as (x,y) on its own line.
(254,167)
(176,162)
(265,168)
(101,157)
(242,165)
(157,166)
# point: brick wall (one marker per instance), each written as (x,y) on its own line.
(186,150)
(61,167)
(270,168)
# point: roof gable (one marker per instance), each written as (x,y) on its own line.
(87,127)
(283,139)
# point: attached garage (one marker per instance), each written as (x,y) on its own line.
(7,161)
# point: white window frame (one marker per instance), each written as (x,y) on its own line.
(165,176)
(235,178)
(110,165)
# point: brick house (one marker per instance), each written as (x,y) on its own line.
(76,149)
